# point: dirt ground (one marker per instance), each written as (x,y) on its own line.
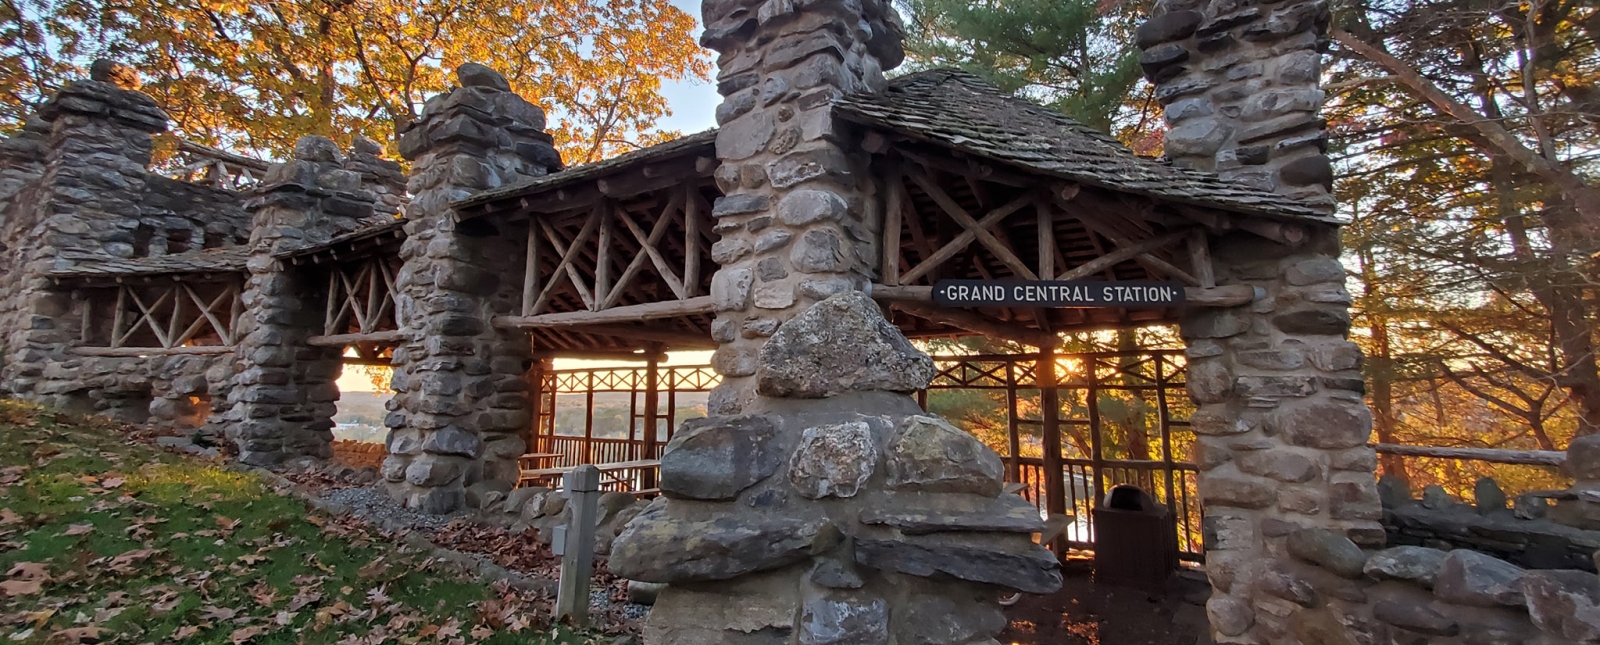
(1085,614)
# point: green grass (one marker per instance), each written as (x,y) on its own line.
(107,539)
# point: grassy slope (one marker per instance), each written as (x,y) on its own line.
(105,539)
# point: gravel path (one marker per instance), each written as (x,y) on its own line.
(372,504)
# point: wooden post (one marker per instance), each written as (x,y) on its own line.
(1014,463)
(1055,494)
(577,559)
(652,388)
(535,380)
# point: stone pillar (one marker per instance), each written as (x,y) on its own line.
(284,394)
(834,510)
(1281,428)
(461,404)
(797,218)
(1240,82)
(85,205)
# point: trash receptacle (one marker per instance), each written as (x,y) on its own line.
(1135,540)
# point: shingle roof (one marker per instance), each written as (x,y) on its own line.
(223,260)
(687,144)
(375,229)
(961,111)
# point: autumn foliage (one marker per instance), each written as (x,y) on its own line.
(255,75)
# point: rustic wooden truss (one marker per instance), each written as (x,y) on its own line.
(174,317)
(946,219)
(601,269)
(361,299)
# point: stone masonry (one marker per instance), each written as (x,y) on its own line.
(1286,477)
(283,404)
(74,187)
(461,402)
(818,504)
(796,221)
(1240,82)
(833,510)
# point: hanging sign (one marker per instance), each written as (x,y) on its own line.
(1056,293)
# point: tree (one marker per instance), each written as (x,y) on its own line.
(1074,56)
(1486,112)
(256,75)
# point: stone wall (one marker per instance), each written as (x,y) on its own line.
(1326,591)
(358,454)
(1522,533)
(284,404)
(834,510)
(461,403)
(797,220)
(1240,84)
(75,186)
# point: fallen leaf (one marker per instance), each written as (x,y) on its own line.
(373,569)
(306,597)
(112,482)
(8,517)
(21,587)
(213,612)
(77,635)
(78,529)
(244,634)
(186,631)
(480,632)
(29,571)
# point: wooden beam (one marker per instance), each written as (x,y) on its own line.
(530,270)
(893,211)
(341,340)
(956,212)
(1497,456)
(971,230)
(1121,254)
(631,313)
(596,354)
(677,340)
(975,323)
(133,352)
(1200,256)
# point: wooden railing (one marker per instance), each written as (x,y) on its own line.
(1177,487)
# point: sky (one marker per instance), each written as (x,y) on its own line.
(693,103)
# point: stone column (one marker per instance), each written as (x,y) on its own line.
(1286,477)
(284,394)
(1241,86)
(461,403)
(85,205)
(796,219)
(834,510)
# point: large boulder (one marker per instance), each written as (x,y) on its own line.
(1477,580)
(1411,563)
(928,454)
(1565,603)
(922,513)
(1329,549)
(841,344)
(833,460)
(662,545)
(1011,561)
(716,458)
